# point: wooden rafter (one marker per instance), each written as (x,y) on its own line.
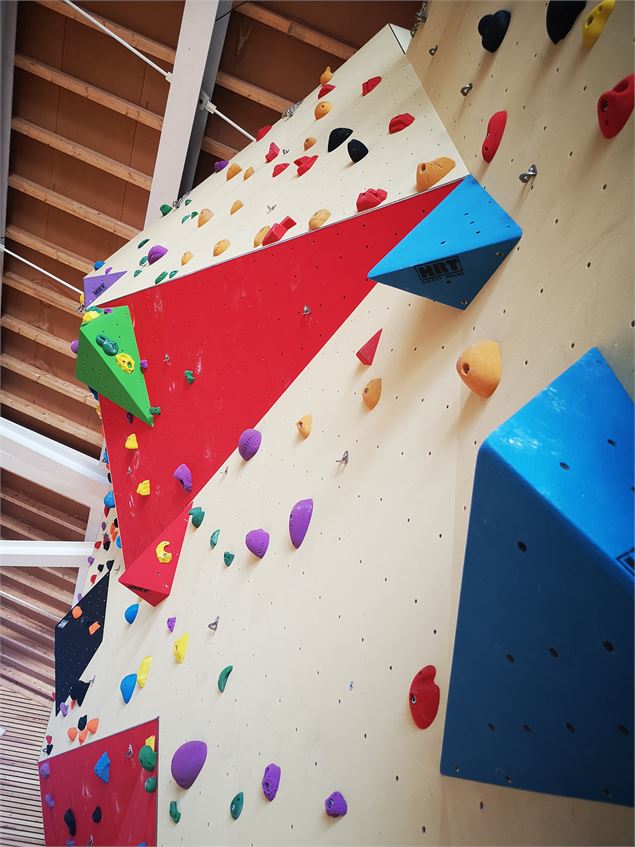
(31,533)
(34,333)
(45,416)
(84,154)
(252,92)
(47,248)
(42,292)
(62,386)
(217,148)
(44,511)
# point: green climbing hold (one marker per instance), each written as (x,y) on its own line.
(185,218)
(213,541)
(194,215)
(142,243)
(143,260)
(188,201)
(137,272)
(189,376)
(161,277)
(172,274)
(155,410)
(197,516)
(174,811)
(228,557)
(147,758)
(165,209)
(236,806)
(223,677)
(150,784)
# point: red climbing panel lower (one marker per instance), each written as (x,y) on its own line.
(128,811)
(240,327)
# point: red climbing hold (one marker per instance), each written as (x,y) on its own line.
(326,88)
(277,231)
(273,152)
(424,697)
(279,168)
(400,122)
(305,163)
(615,107)
(370,198)
(262,132)
(494,135)
(371,83)
(366,354)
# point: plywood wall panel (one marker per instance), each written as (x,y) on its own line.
(143,148)
(31,159)
(40,34)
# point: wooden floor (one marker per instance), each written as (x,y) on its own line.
(23,720)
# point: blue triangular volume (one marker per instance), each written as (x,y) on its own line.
(451,254)
(541,690)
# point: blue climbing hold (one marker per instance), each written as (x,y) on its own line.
(102,767)
(104,458)
(131,613)
(127,686)
(109,500)
(118,541)
(98,265)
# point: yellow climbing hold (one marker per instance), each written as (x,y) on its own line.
(163,555)
(144,670)
(81,299)
(309,142)
(327,75)
(372,393)
(232,170)
(318,218)
(90,316)
(322,109)
(150,741)
(125,362)
(131,442)
(180,647)
(480,367)
(236,205)
(205,216)
(305,425)
(595,22)
(185,258)
(144,488)
(249,172)
(258,237)
(429,173)
(221,246)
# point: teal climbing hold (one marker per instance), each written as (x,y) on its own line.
(127,686)
(147,758)
(150,784)
(223,677)
(228,557)
(213,541)
(174,811)
(143,260)
(165,209)
(187,202)
(185,218)
(137,272)
(236,806)
(163,275)
(172,274)
(189,376)
(197,516)
(142,243)
(194,215)
(155,410)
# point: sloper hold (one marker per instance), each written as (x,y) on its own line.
(616,106)
(371,393)
(249,443)
(127,686)
(304,425)
(450,255)
(187,762)
(480,366)
(493,28)
(69,820)
(257,542)
(335,805)
(561,15)
(103,373)
(144,671)
(271,781)
(299,521)
(131,612)
(541,689)
(424,697)
(370,85)
(366,353)
(494,135)
(96,285)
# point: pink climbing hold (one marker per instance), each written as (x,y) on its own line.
(370,198)
(277,231)
(494,136)
(305,163)
(262,132)
(325,89)
(187,762)
(370,84)
(278,169)
(249,443)
(299,521)
(184,475)
(257,542)
(400,122)
(424,697)
(366,354)
(272,153)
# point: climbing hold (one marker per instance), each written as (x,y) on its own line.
(262,132)
(72,732)
(429,173)
(424,697)
(131,442)
(220,165)
(91,315)
(127,686)
(236,205)
(327,75)
(76,612)
(338,136)
(248,173)
(249,443)
(147,758)
(187,762)
(257,542)
(370,198)
(63,709)
(277,231)
(357,150)
(78,690)
(335,805)
(171,622)
(400,122)
(372,393)
(174,811)
(49,800)
(69,820)
(236,805)
(81,723)
(102,767)
(223,677)
(93,725)
(150,785)
(144,488)
(615,107)
(197,515)
(258,238)
(322,109)
(142,243)
(561,15)
(155,410)
(213,540)
(45,770)
(164,208)
(596,21)
(186,257)
(325,89)
(299,521)
(155,253)
(305,425)
(272,152)
(131,613)
(109,500)
(180,647)
(92,629)
(163,555)
(184,475)
(493,28)
(205,216)
(98,264)
(370,84)
(479,366)
(271,781)
(75,345)
(125,362)
(309,142)
(232,170)
(366,353)
(228,557)
(319,218)
(493,137)
(305,163)
(279,168)
(96,815)
(221,246)
(189,376)
(144,671)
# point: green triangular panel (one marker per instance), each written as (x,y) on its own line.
(103,373)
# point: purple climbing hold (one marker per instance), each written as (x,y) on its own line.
(75,345)
(143,364)
(155,253)
(184,476)
(271,781)
(187,762)
(49,800)
(299,521)
(335,805)
(220,165)
(45,769)
(171,624)
(90,560)
(249,443)
(257,542)
(63,709)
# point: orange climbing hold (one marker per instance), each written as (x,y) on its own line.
(92,629)
(372,393)
(236,205)
(221,246)
(232,170)
(305,425)
(319,218)
(77,612)
(480,366)
(366,354)
(248,173)
(322,109)
(429,173)
(72,732)
(186,257)
(327,75)
(260,235)
(204,216)
(92,725)
(83,735)
(309,142)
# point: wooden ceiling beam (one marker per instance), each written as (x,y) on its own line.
(83,154)
(252,92)
(49,380)
(217,148)
(90,92)
(47,248)
(34,333)
(42,292)
(26,682)
(31,533)
(273,20)
(71,207)
(44,511)
(39,413)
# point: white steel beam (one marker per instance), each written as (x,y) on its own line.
(44,554)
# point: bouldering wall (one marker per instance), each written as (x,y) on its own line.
(330,659)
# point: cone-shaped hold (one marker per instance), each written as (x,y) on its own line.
(223,677)
(325,89)
(232,170)
(236,205)
(309,142)
(131,613)
(220,165)
(131,442)
(480,366)
(96,815)
(338,136)
(205,216)
(615,107)
(259,236)
(272,152)
(213,540)
(370,84)
(144,488)
(561,15)
(305,163)
(155,253)
(327,75)
(257,542)
(174,811)
(495,129)
(372,393)
(69,820)
(45,770)
(187,762)
(305,425)
(197,515)
(171,623)
(357,150)
(144,671)
(319,218)
(249,172)
(262,132)
(279,168)
(147,758)
(429,173)
(400,122)
(366,353)
(370,198)
(249,443)
(72,732)
(221,246)
(102,768)
(180,647)
(424,697)
(493,28)
(299,521)
(228,557)
(236,805)
(163,555)
(93,725)
(49,800)
(184,475)
(335,805)
(127,686)
(322,109)
(595,22)
(271,781)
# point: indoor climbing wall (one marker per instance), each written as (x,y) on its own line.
(318,636)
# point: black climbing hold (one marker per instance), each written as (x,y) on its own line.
(100,568)
(108,475)
(338,136)
(561,15)
(110,563)
(48,749)
(97,814)
(357,150)
(106,544)
(69,820)
(81,723)
(78,690)
(116,523)
(493,29)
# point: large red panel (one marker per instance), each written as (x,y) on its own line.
(129,812)
(240,327)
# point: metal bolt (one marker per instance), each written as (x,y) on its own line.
(530,173)
(433,50)
(214,624)
(306,310)
(129,752)
(344,459)
(466,89)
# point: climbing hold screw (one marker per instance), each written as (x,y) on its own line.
(129,752)
(530,173)
(306,310)
(466,89)
(214,624)
(433,50)
(344,459)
